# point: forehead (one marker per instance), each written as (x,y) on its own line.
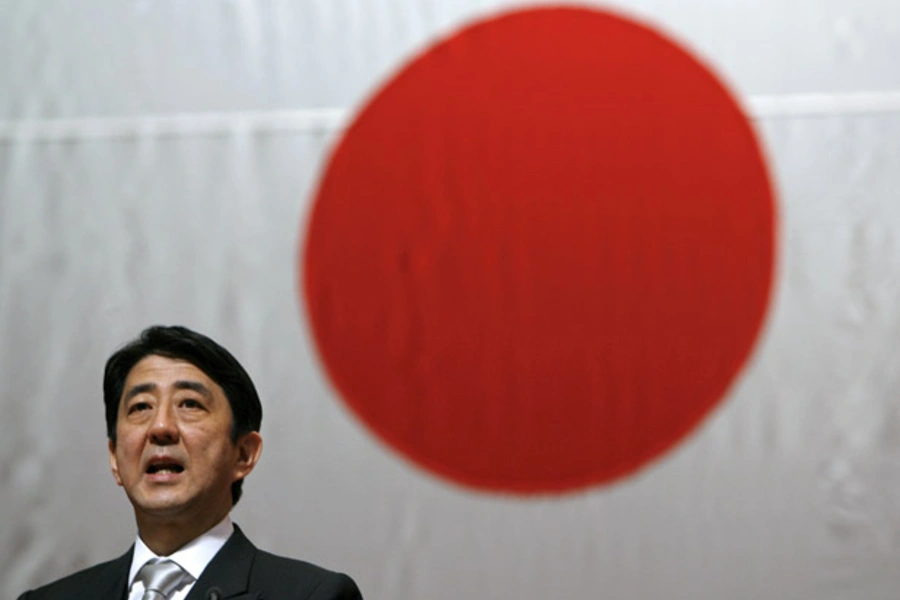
(164,371)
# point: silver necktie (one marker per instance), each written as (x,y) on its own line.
(160,578)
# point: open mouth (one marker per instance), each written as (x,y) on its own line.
(164,468)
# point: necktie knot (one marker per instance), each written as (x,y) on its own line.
(160,578)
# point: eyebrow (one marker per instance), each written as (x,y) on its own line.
(143,388)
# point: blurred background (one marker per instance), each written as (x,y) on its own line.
(157,160)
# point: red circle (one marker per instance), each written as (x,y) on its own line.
(541,253)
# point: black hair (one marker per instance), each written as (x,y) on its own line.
(216,362)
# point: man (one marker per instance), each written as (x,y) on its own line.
(182,418)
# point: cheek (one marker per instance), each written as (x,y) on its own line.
(128,453)
(220,459)
(208,445)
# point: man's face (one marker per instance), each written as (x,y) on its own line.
(173,452)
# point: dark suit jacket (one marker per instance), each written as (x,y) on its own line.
(238,572)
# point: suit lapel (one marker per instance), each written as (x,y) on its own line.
(229,570)
(113,582)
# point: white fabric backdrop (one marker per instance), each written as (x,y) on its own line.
(150,174)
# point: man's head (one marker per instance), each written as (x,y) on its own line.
(209,359)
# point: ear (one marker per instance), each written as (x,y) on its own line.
(249,447)
(113,462)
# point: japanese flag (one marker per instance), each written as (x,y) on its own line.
(541,301)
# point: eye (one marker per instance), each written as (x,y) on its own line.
(138,406)
(191,403)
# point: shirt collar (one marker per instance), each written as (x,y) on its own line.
(192,557)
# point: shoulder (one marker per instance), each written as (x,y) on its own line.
(83,582)
(302,579)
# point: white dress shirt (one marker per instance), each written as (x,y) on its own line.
(192,557)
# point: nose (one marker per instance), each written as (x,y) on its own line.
(164,429)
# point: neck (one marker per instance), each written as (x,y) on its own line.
(166,535)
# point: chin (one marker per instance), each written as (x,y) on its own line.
(159,506)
